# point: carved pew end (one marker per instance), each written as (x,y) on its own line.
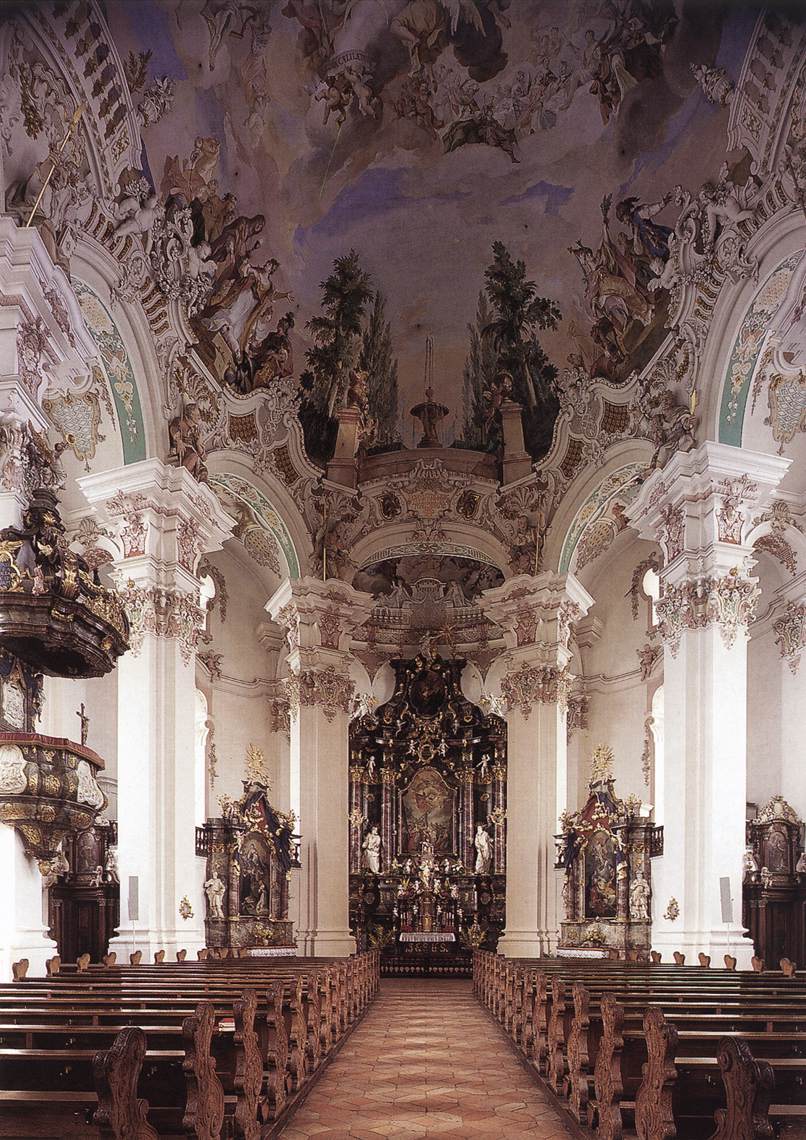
(730,962)
(203,954)
(19,969)
(53,965)
(749,1086)
(110,960)
(136,958)
(757,964)
(159,957)
(82,963)
(116,1072)
(679,959)
(704,960)
(181,955)
(788,967)
(655,957)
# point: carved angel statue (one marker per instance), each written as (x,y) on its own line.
(137,212)
(639,897)
(215,889)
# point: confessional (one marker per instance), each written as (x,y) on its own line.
(427,822)
(774,888)
(84,898)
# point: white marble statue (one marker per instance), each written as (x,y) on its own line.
(214,888)
(12,769)
(639,897)
(111,868)
(484,851)
(88,790)
(372,851)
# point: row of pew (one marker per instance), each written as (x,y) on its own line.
(657,1051)
(216,1048)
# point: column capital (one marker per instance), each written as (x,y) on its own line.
(699,508)
(163,521)
(318,615)
(43,337)
(536,613)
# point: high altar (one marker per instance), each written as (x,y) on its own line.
(427,822)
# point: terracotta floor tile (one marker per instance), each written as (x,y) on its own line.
(426,1061)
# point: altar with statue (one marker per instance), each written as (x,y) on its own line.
(606,850)
(427,822)
(250,850)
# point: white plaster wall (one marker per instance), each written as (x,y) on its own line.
(764,750)
(238,701)
(618,698)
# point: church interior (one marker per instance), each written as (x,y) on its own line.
(402,569)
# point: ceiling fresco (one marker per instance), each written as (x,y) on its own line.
(418,133)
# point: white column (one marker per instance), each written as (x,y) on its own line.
(319,617)
(43,340)
(698,508)
(536,615)
(166,521)
(23,921)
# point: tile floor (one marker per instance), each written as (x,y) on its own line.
(426,1061)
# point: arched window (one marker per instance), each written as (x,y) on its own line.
(650,584)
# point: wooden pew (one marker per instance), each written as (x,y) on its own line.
(258,1075)
(605,1037)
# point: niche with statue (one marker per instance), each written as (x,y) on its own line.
(605,850)
(250,850)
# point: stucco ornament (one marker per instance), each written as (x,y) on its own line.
(529,685)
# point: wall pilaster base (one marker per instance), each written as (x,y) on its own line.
(329,944)
(528,944)
(129,939)
(717,943)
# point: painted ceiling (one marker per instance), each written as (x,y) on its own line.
(418,132)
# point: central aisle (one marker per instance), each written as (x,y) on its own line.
(426,1061)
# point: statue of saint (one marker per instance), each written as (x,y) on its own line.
(749,864)
(214,888)
(372,851)
(185,432)
(639,897)
(484,851)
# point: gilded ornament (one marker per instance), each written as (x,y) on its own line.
(672,911)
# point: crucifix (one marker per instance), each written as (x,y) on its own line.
(85,723)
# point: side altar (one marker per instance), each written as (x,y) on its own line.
(250,851)
(427,822)
(606,850)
